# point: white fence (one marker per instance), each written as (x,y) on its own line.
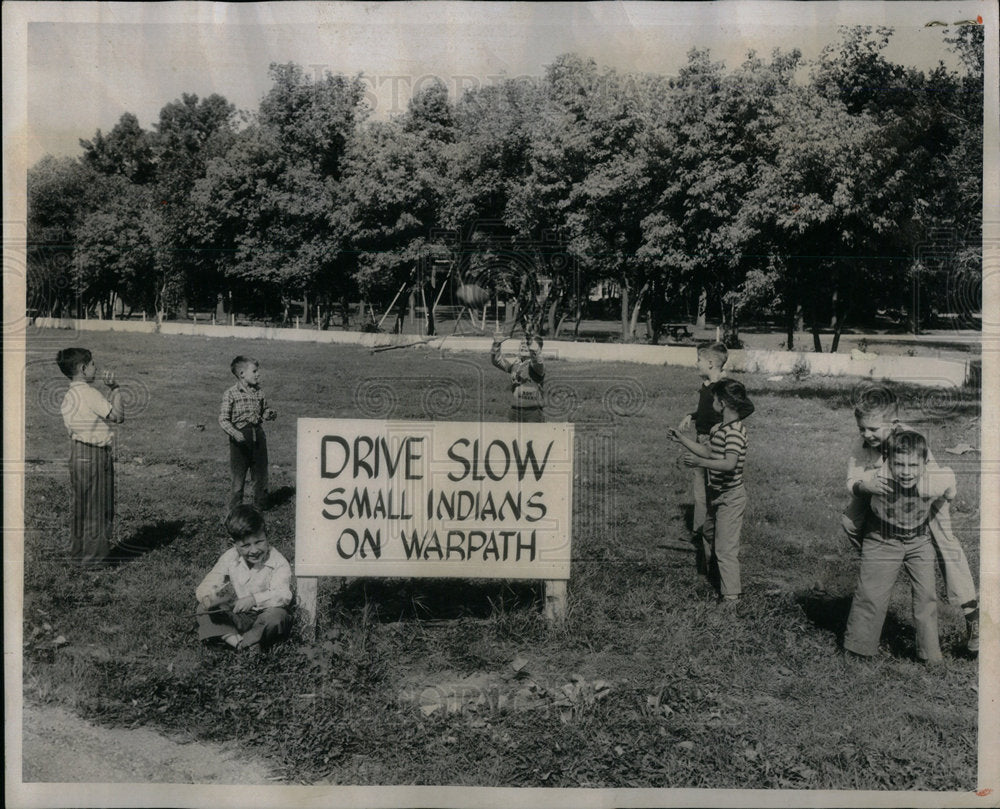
(914,370)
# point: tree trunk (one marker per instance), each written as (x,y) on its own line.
(841,318)
(624,311)
(836,339)
(429,309)
(702,308)
(789,326)
(817,344)
(550,320)
(636,310)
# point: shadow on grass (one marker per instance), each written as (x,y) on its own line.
(687,515)
(280,496)
(826,610)
(829,611)
(148,538)
(430,599)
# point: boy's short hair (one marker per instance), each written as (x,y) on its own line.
(872,399)
(243,521)
(732,394)
(241,362)
(716,350)
(70,360)
(906,442)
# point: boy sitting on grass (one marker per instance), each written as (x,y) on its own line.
(245,600)
(898,534)
(877,415)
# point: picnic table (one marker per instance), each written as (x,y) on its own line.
(678,332)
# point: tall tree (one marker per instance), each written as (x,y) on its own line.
(708,144)
(61,191)
(126,150)
(120,252)
(393,194)
(588,178)
(266,208)
(190,133)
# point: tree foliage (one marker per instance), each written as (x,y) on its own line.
(818,192)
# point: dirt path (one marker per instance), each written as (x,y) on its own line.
(60,747)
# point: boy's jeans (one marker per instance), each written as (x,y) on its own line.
(250,456)
(958,580)
(881,557)
(723,524)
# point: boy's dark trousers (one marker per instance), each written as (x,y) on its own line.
(251,455)
(92,478)
(266,627)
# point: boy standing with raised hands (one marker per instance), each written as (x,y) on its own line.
(87,414)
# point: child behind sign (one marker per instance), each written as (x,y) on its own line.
(527,375)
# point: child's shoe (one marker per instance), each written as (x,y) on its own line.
(972,632)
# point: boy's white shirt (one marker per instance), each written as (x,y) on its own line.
(85,411)
(270,583)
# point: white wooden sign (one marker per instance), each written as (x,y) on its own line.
(441,499)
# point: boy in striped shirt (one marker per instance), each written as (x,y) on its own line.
(723,459)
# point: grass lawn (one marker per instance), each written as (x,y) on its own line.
(648,684)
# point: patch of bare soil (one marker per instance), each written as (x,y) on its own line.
(60,747)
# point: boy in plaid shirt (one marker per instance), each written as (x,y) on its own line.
(898,534)
(243,412)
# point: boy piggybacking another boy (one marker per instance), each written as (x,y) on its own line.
(877,415)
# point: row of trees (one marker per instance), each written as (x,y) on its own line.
(752,190)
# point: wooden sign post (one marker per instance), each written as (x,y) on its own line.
(433,499)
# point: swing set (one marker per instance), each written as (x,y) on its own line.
(527,297)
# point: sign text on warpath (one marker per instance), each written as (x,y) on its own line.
(442,499)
